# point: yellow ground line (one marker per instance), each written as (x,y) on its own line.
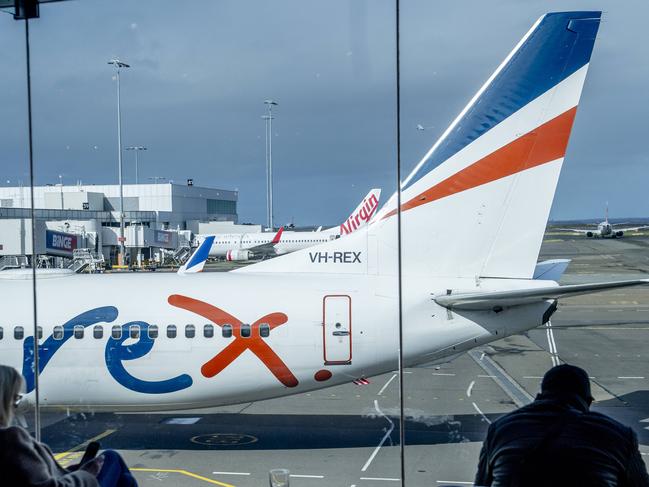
(82,446)
(182,472)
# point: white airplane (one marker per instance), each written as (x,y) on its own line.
(330,314)
(248,246)
(606,229)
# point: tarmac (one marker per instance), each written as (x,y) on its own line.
(349,435)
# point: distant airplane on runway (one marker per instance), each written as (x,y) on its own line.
(605,229)
(473,214)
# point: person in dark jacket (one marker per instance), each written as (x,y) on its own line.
(26,462)
(557,441)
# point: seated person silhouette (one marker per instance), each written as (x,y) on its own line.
(557,441)
(26,462)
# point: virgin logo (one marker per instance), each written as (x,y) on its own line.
(253,340)
(364,215)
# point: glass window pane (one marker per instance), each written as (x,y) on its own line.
(153,331)
(116,332)
(208,331)
(171,331)
(57,332)
(134,331)
(226,331)
(98,332)
(245,331)
(190,331)
(19,332)
(78,331)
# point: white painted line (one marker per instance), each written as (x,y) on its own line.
(453,482)
(381,478)
(230,473)
(440,373)
(482,355)
(386,384)
(298,476)
(385,437)
(470,388)
(487,376)
(475,406)
(630,377)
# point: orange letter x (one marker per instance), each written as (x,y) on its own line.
(254,343)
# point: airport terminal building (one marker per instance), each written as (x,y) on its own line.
(157,216)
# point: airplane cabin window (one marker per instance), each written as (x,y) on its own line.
(153,331)
(245,331)
(39,331)
(98,332)
(171,331)
(227,331)
(19,332)
(78,331)
(190,331)
(57,333)
(134,331)
(208,331)
(264,330)
(1,333)
(116,332)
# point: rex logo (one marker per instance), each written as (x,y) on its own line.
(252,340)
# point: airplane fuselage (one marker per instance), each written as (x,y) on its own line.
(228,338)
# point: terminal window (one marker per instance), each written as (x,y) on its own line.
(223,207)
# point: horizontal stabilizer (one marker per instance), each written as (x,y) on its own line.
(551,270)
(517,297)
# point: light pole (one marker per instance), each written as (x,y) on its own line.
(118,66)
(269,159)
(61,188)
(136,148)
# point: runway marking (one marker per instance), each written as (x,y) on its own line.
(475,406)
(630,377)
(231,473)
(441,373)
(453,482)
(554,354)
(381,478)
(470,388)
(304,476)
(486,376)
(82,446)
(386,384)
(385,437)
(182,472)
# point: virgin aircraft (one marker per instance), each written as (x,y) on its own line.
(328,314)
(249,246)
(606,229)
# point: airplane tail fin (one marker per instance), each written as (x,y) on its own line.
(278,236)
(197,260)
(477,204)
(363,213)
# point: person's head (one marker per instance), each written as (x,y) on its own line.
(11,386)
(567,381)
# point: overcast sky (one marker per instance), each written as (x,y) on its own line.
(201,70)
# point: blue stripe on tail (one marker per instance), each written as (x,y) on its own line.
(561,44)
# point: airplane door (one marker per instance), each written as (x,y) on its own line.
(337,329)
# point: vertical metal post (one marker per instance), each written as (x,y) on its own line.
(122,252)
(37,411)
(136,168)
(270,165)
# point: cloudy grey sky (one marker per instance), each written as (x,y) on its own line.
(201,70)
